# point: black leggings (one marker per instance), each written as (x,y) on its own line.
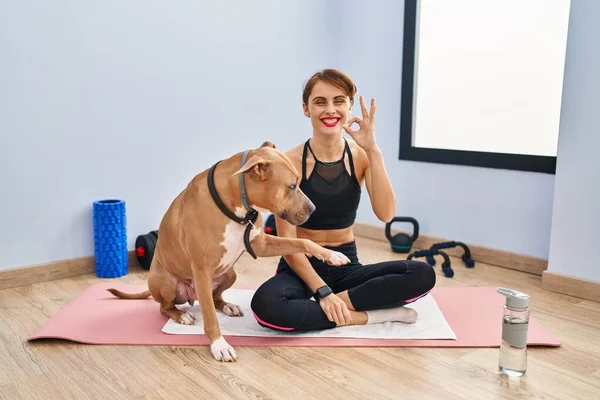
(284,301)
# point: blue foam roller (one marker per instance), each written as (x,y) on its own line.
(110,238)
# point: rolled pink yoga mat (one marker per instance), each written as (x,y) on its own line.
(96,317)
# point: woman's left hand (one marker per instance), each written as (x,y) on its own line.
(365,136)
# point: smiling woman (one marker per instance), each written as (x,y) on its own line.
(482,82)
(333,171)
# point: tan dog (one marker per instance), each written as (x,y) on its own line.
(200,237)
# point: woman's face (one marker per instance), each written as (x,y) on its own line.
(328,109)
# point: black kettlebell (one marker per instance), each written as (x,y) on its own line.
(401,242)
(144,248)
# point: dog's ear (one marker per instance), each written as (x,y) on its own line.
(268,144)
(257,166)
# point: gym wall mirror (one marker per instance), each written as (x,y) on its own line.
(482,82)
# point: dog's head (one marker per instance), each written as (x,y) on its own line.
(273,184)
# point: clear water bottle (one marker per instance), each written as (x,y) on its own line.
(515,325)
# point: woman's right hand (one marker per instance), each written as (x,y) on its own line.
(336,310)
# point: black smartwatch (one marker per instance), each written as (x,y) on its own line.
(323,291)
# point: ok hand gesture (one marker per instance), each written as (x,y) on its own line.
(365,136)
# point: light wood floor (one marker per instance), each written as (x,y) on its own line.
(61,370)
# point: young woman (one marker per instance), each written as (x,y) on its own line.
(333,172)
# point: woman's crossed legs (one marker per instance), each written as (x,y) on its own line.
(374,293)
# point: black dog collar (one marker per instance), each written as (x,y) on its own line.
(251,215)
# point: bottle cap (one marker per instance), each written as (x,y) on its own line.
(514,298)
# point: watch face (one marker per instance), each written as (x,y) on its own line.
(324,291)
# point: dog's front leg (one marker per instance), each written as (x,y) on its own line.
(219,347)
(265,245)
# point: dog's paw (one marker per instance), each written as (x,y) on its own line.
(336,259)
(222,351)
(233,310)
(186,319)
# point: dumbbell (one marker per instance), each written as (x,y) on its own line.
(270,227)
(144,248)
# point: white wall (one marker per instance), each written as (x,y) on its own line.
(130,99)
(146,86)
(508,210)
(576,215)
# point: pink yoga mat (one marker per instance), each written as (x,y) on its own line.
(96,317)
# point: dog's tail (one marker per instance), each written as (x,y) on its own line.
(123,295)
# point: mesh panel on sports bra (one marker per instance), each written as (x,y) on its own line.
(332,181)
(334,192)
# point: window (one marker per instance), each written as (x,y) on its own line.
(482,82)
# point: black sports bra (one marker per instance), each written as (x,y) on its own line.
(334,192)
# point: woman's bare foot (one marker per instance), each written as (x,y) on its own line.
(399,314)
